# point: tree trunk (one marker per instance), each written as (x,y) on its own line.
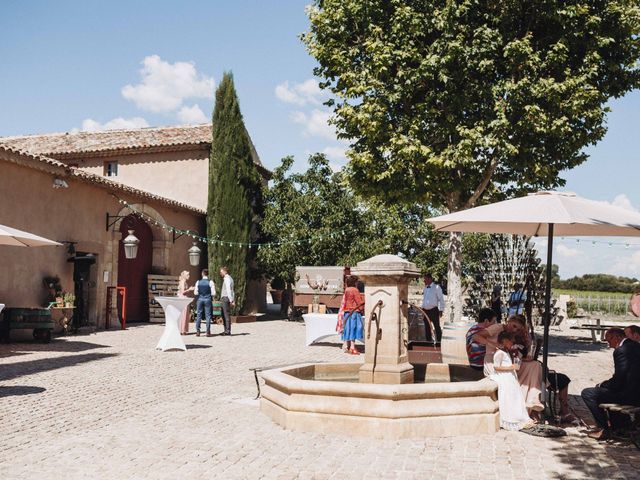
(454,280)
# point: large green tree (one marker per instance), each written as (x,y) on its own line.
(314,218)
(460,102)
(235,190)
(310,218)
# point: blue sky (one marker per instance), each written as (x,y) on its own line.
(92,64)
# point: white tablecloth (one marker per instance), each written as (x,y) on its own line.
(319,325)
(173,308)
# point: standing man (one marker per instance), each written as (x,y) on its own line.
(433,307)
(623,387)
(227,297)
(205,290)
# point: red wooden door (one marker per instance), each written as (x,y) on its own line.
(132,272)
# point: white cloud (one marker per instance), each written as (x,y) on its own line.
(91,125)
(164,86)
(191,115)
(565,251)
(623,201)
(335,153)
(307,92)
(316,123)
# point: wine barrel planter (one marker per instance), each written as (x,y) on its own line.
(36,319)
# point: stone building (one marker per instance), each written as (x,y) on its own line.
(87,189)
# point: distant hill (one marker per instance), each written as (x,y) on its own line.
(598,282)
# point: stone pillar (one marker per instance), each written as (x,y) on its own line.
(386,279)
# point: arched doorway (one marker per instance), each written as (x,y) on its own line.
(132,272)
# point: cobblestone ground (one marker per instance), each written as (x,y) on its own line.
(108,406)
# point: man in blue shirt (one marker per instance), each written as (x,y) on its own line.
(205,290)
(433,307)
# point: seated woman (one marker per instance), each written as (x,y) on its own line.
(530,371)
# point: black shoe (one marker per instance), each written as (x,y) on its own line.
(225,334)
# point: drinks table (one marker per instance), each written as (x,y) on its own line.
(319,325)
(173,308)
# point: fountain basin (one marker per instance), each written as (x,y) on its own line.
(327,398)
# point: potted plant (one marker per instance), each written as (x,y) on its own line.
(69,299)
(54,289)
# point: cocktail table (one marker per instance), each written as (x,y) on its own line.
(173,308)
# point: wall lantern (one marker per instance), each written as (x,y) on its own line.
(131,243)
(194,255)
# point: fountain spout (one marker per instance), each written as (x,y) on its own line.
(375,317)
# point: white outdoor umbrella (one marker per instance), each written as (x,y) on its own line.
(544,214)
(18,238)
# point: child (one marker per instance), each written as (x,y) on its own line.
(513,413)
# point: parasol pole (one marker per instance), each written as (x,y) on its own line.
(547,314)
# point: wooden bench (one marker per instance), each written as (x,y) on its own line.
(631,411)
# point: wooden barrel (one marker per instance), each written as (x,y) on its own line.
(453,346)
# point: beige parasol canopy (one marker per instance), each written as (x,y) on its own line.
(544,214)
(18,238)
(531,215)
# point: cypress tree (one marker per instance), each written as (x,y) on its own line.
(234,203)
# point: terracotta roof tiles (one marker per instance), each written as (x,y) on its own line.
(87,142)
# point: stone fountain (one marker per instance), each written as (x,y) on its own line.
(379,398)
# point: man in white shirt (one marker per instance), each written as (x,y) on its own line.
(227,297)
(433,307)
(205,290)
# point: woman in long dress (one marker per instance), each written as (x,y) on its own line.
(513,414)
(183,289)
(530,372)
(353,308)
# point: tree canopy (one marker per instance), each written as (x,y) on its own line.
(315,218)
(599,282)
(449,101)
(459,102)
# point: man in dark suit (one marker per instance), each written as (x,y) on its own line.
(623,387)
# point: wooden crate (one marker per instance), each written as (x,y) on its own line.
(164,286)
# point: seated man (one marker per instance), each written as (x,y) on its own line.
(623,387)
(633,332)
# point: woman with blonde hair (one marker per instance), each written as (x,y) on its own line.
(183,289)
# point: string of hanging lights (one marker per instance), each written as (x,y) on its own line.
(225,242)
(215,241)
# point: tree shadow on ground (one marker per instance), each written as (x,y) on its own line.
(20,369)
(563,346)
(16,390)
(588,458)
(56,345)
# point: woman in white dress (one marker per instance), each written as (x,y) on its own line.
(513,412)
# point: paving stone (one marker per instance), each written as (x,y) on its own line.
(107,405)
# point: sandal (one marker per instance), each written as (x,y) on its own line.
(354,352)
